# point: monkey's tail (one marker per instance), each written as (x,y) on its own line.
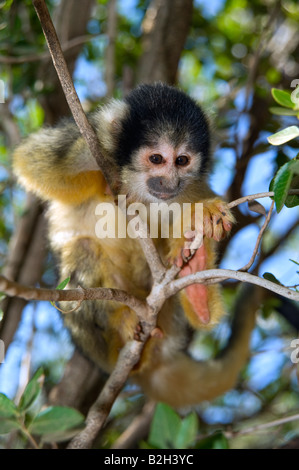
(184,381)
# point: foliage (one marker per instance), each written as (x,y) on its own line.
(169,431)
(287,176)
(51,424)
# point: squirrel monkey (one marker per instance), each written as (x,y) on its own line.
(159,139)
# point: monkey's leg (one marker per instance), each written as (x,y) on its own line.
(95,324)
(202,304)
(197,294)
(181,381)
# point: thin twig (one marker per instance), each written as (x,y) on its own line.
(25,59)
(222,274)
(263,228)
(137,429)
(154,261)
(278,243)
(251,197)
(263,426)
(151,254)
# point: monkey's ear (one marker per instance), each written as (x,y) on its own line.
(116,125)
(114,113)
(109,123)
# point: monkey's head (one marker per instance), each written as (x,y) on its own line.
(161,144)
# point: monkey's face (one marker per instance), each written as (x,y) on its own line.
(159,138)
(161,172)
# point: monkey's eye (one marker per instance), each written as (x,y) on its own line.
(156,159)
(182,160)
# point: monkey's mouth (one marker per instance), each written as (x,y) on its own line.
(164,196)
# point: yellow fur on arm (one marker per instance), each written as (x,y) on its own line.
(54,182)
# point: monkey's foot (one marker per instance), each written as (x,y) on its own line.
(217,219)
(197,294)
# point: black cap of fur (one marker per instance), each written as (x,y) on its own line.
(160,110)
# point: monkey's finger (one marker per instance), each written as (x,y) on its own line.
(218,230)
(227,225)
(185,254)
(227,217)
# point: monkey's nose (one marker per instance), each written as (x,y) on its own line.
(162,187)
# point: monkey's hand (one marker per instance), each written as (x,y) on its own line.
(217,219)
(216,222)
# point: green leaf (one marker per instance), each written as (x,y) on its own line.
(282,182)
(187,432)
(284,136)
(55,419)
(7,407)
(283,111)
(32,390)
(293,199)
(216,441)
(63,284)
(272,278)
(60,436)
(8,425)
(283,98)
(165,427)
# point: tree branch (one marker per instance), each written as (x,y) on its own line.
(110,173)
(251,197)
(137,429)
(128,357)
(222,274)
(278,243)
(165,28)
(151,254)
(14,289)
(261,427)
(25,59)
(110,52)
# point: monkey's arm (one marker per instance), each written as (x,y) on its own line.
(182,380)
(56,164)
